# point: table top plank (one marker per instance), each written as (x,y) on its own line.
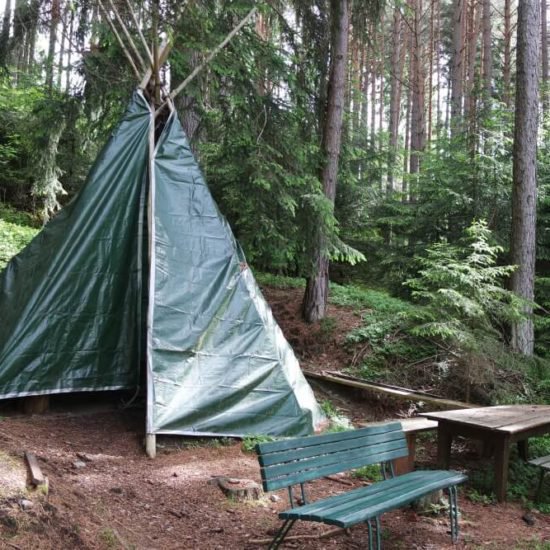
(511,419)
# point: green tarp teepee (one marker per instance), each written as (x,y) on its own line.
(107,286)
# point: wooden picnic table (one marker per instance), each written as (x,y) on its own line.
(500,426)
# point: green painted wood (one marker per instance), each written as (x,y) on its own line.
(369,502)
(299,442)
(385,503)
(301,477)
(386,498)
(369,454)
(337,446)
(323,505)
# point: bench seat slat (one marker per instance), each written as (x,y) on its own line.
(373,495)
(370,455)
(308,475)
(369,502)
(350,496)
(299,442)
(363,442)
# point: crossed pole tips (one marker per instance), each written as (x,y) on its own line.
(157,56)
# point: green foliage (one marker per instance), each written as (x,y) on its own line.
(465,305)
(279,281)
(369,473)
(250,441)
(461,288)
(16,230)
(338,422)
(480,498)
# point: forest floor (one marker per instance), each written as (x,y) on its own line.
(105,494)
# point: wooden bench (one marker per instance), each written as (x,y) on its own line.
(296,461)
(544,464)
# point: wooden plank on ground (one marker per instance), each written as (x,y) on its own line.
(35,473)
(398,393)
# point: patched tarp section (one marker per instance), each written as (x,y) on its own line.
(70,301)
(219,363)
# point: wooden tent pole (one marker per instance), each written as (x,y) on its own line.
(142,38)
(127,35)
(209,58)
(119,39)
(150,438)
(164,49)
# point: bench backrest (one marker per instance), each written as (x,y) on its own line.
(292,461)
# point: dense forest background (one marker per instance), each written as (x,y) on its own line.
(377,136)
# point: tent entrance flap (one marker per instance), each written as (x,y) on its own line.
(219,362)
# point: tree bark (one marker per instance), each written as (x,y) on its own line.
(544,55)
(524,194)
(418,122)
(457,66)
(316,293)
(507,61)
(395,95)
(54,21)
(5,34)
(487,53)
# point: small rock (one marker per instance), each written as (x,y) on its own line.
(175,474)
(116,490)
(79,464)
(84,457)
(528,518)
(274,498)
(26,504)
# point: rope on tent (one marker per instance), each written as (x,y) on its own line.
(209,58)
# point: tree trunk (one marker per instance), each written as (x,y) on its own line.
(316,293)
(457,66)
(54,20)
(474,19)
(544,55)
(487,54)
(507,63)
(524,194)
(5,34)
(396,69)
(418,123)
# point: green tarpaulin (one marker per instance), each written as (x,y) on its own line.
(77,303)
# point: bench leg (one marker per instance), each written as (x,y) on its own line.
(281,534)
(453,513)
(374,528)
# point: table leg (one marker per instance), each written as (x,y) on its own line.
(523,449)
(502,457)
(405,464)
(444,441)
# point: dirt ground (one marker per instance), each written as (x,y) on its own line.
(105,494)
